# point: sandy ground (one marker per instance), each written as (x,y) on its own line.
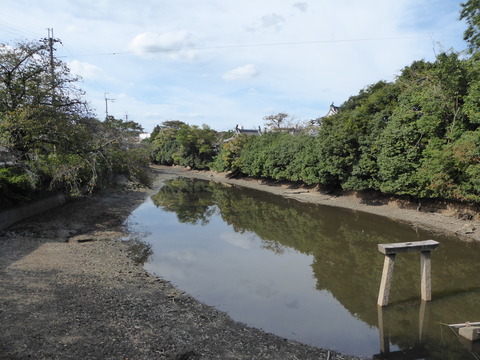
(70,288)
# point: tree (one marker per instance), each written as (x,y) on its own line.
(42,115)
(169,124)
(37,111)
(49,129)
(164,146)
(228,157)
(127,128)
(470,12)
(197,146)
(275,121)
(177,143)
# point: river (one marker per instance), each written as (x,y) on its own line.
(308,272)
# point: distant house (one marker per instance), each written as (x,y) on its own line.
(333,110)
(318,122)
(249,132)
(241,131)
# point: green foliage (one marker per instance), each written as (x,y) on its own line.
(49,131)
(471,13)
(228,158)
(127,128)
(189,199)
(177,143)
(276,121)
(452,170)
(15,186)
(471,107)
(398,159)
(416,136)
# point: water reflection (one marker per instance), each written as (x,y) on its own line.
(190,200)
(339,247)
(417,351)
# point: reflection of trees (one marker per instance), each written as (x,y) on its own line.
(190,200)
(140,252)
(346,261)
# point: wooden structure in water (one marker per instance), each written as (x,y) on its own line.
(390,251)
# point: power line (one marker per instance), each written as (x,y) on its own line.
(262,45)
(17,31)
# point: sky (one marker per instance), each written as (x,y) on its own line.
(225,63)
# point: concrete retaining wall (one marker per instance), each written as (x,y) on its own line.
(12,216)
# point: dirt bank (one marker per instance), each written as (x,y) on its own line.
(70,289)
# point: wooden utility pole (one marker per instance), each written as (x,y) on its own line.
(52,62)
(106,105)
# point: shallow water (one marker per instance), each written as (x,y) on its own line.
(308,272)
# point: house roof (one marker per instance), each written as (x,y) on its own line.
(241,130)
(333,110)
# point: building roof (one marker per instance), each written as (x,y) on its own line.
(241,130)
(333,110)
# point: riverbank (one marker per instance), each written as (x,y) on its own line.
(71,289)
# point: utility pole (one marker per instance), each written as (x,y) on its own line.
(51,40)
(106,105)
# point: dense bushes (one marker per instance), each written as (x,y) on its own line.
(417,136)
(176,143)
(15,186)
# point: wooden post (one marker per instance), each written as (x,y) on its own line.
(423,317)
(425,275)
(390,250)
(387,275)
(383,329)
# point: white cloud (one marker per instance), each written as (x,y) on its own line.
(302,6)
(84,69)
(238,240)
(175,44)
(244,72)
(273,20)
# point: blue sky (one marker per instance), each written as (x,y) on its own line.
(225,62)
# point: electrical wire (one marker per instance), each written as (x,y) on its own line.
(220,47)
(17,31)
